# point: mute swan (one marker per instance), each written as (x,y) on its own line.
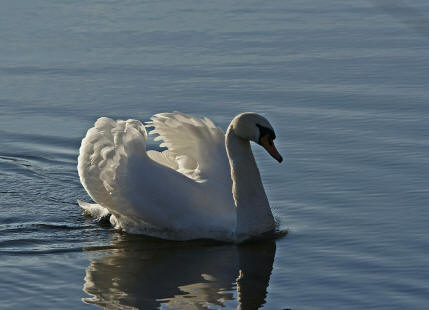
(205,185)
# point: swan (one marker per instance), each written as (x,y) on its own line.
(206,184)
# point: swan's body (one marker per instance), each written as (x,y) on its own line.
(205,185)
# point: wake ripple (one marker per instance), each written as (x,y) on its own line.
(31,227)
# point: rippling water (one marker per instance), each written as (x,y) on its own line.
(345,84)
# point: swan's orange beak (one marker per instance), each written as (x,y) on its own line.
(268,144)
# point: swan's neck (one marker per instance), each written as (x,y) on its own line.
(253,210)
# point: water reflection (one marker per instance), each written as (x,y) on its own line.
(145,273)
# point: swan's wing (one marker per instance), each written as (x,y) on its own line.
(196,146)
(139,187)
(107,146)
(165,158)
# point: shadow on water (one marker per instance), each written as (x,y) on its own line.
(144,273)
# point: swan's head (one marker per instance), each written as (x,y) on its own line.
(254,127)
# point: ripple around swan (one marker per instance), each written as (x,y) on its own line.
(29,227)
(46,238)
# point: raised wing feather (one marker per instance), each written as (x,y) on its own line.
(198,145)
(104,148)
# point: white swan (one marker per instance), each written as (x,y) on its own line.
(205,185)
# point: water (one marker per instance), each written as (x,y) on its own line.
(345,84)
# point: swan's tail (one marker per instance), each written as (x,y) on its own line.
(94,210)
(106,148)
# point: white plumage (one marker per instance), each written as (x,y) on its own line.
(185,192)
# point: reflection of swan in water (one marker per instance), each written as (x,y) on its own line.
(149,274)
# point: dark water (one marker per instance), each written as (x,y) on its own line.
(344,83)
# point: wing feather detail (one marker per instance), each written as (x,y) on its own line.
(104,149)
(197,145)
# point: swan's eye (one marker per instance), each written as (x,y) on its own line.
(264,131)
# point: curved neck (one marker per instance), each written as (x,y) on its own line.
(253,210)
